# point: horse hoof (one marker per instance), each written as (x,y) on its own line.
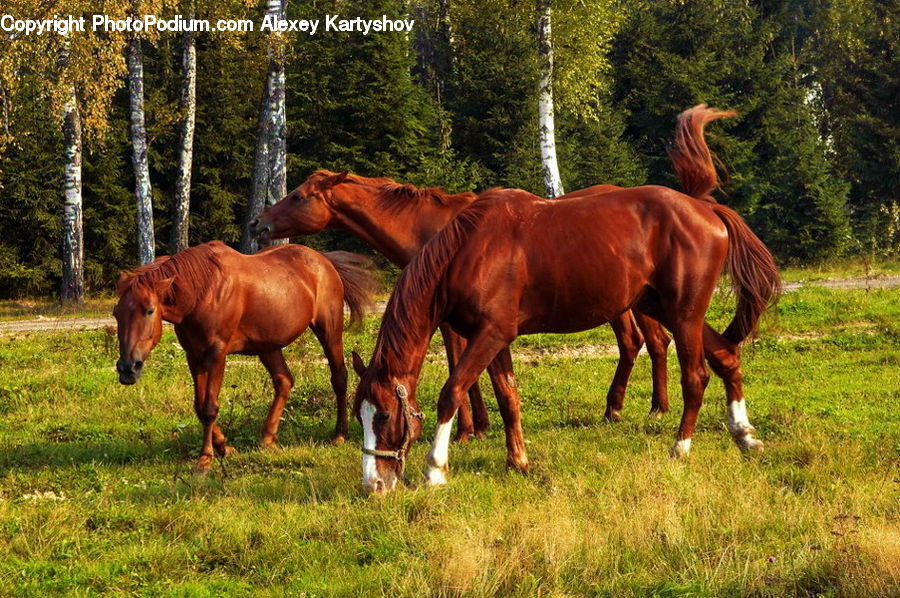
(204,464)
(520,466)
(228,451)
(338,440)
(479,435)
(749,444)
(655,414)
(680,449)
(436,476)
(271,445)
(612,415)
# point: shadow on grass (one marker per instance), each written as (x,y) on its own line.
(68,449)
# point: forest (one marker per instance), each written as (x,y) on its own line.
(116,147)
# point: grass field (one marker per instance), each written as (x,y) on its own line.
(97,493)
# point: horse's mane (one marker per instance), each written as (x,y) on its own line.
(194,270)
(416,300)
(394,196)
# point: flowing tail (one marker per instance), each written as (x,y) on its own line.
(359,282)
(754,275)
(691,158)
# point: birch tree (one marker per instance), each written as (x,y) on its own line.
(269,160)
(182,202)
(72,284)
(142,190)
(547,129)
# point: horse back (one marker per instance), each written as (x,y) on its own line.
(574,264)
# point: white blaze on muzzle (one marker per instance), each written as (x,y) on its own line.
(369,470)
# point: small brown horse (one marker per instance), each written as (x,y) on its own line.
(514,264)
(223,302)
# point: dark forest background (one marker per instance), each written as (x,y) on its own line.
(812,162)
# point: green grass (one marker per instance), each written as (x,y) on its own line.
(97,493)
(18,309)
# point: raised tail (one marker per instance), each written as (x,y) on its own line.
(754,275)
(691,158)
(359,282)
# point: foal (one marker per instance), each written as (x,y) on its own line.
(223,302)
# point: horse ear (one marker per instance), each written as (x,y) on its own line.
(162,286)
(358,366)
(338,178)
(122,283)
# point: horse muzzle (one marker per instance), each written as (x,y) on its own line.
(129,371)
(381,484)
(261,230)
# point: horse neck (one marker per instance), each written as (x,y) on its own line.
(405,363)
(183,305)
(396,234)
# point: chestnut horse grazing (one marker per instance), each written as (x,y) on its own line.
(223,302)
(514,264)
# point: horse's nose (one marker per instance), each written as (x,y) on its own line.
(129,372)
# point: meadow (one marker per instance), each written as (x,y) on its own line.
(97,493)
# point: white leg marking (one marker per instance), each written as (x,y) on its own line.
(439,455)
(739,426)
(369,471)
(681,448)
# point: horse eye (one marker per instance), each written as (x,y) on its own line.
(150,311)
(382,416)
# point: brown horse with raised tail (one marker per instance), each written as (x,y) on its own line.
(223,302)
(514,264)
(398,219)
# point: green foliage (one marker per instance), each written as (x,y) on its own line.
(812,160)
(749,59)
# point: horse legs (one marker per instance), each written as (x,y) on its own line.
(479,352)
(724,358)
(467,426)
(694,378)
(657,346)
(507,393)
(629,339)
(330,335)
(208,375)
(283,381)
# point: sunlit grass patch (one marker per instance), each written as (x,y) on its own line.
(97,492)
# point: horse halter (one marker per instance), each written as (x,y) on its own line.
(408,415)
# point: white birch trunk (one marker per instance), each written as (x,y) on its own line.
(146,241)
(269,162)
(72,286)
(552,181)
(182,205)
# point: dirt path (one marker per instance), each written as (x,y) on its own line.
(45,324)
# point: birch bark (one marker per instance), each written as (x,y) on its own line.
(72,285)
(182,207)
(269,160)
(142,190)
(552,181)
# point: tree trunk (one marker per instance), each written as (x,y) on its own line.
(146,241)
(269,160)
(182,205)
(552,181)
(277,116)
(260,181)
(72,287)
